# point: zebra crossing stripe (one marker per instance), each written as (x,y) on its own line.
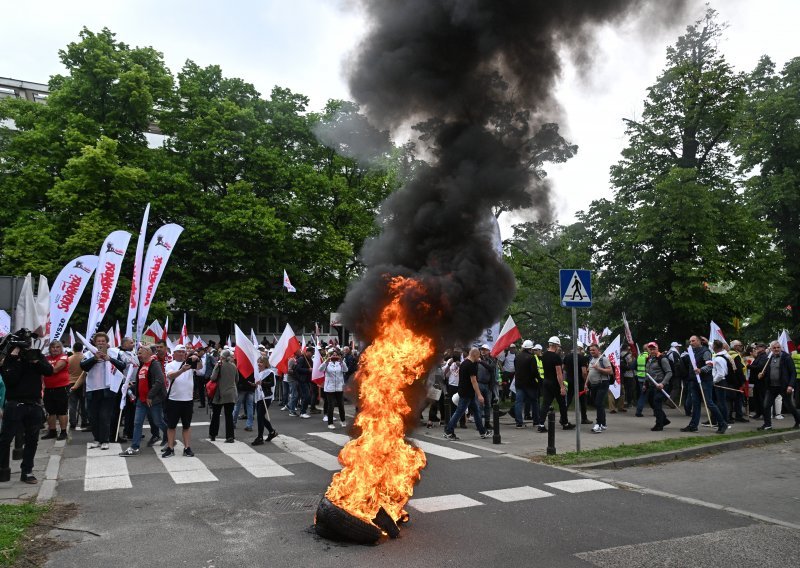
(580,485)
(258,465)
(105,469)
(183,469)
(443,503)
(516,494)
(307,453)
(442,451)
(338,439)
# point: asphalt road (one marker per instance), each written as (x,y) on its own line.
(214,512)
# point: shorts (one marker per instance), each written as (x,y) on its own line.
(179,410)
(56,401)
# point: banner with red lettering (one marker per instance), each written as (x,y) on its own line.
(133,301)
(158,252)
(105,278)
(67,290)
(613,354)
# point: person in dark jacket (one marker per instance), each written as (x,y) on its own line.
(779,378)
(755,368)
(22,371)
(526,383)
(302,370)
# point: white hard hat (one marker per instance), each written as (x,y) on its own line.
(179,348)
(537,346)
(527,344)
(580,344)
(554,340)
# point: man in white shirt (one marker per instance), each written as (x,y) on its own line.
(104,370)
(180,398)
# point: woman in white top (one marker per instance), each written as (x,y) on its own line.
(334,369)
(265,382)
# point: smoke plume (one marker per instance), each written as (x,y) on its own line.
(476,79)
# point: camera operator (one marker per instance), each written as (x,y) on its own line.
(104,370)
(22,368)
(180,398)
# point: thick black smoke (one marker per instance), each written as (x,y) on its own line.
(477,77)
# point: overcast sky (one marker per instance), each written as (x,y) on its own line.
(302,44)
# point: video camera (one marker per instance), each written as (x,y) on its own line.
(22,339)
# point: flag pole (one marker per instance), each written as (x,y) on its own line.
(703,396)
(665,393)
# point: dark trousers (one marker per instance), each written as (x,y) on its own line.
(216,409)
(261,417)
(115,412)
(759,393)
(629,383)
(77,407)
(335,399)
(304,389)
(436,410)
(200,389)
(101,409)
(658,407)
(451,390)
(128,415)
(25,419)
(599,392)
(551,392)
(788,404)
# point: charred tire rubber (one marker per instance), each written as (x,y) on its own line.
(337,524)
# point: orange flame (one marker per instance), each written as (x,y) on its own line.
(380,468)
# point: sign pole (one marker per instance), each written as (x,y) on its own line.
(575,386)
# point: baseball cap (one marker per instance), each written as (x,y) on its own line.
(179,348)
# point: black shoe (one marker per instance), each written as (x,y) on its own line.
(229,440)
(271,435)
(521,426)
(568,426)
(28,478)
(153,441)
(121,439)
(689,429)
(187,452)
(667,422)
(248,429)
(51,435)
(741,419)
(723,429)
(796,426)
(528,417)
(62,435)
(167,453)
(212,438)
(764,427)
(315,411)
(657,428)
(541,429)
(257,442)
(639,415)
(586,421)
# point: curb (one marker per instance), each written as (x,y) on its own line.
(693,452)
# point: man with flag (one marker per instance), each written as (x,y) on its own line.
(701,388)
(779,380)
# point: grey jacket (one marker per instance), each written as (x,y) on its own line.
(659,369)
(225,376)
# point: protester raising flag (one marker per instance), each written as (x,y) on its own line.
(287,284)
(105,278)
(508,335)
(133,300)
(67,290)
(285,348)
(155,261)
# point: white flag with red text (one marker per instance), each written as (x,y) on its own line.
(105,277)
(155,261)
(613,354)
(133,300)
(67,290)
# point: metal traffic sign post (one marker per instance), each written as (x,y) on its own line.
(576,292)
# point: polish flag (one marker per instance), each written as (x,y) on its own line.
(716,333)
(508,335)
(184,337)
(112,338)
(166,330)
(786,342)
(287,284)
(317,376)
(155,331)
(245,353)
(284,350)
(118,335)
(303,344)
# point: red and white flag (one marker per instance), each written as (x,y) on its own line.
(287,284)
(112,338)
(245,353)
(155,261)
(303,343)
(105,277)
(67,291)
(118,335)
(786,342)
(716,333)
(285,349)
(629,337)
(508,335)
(184,337)
(613,354)
(133,300)
(165,333)
(155,331)
(317,376)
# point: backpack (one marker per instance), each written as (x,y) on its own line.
(730,369)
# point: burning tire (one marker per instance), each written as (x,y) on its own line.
(337,524)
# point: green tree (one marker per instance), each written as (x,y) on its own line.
(676,247)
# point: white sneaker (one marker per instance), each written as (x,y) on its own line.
(284,408)
(344,424)
(603,427)
(325,418)
(104,446)
(305,416)
(779,417)
(331,427)
(94,445)
(597,428)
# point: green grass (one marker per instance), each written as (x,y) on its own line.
(14,521)
(645,448)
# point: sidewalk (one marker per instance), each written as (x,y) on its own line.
(45,468)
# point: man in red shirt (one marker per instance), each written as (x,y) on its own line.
(56,392)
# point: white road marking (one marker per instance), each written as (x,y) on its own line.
(183,469)
(580,485)
(258,465)
(307,453)
(442,451)
(105,469)
(338,439)
(516,494)
(48,487)
(443,503)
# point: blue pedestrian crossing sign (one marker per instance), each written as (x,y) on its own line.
(576,288)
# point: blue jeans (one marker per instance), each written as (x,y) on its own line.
(463,404)
(305,396)
(599,393)
(291,401)
(247,398)
(526,397)
(697,404)
(156,412)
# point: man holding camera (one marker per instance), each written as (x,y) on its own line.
(22,368)
(180,398)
